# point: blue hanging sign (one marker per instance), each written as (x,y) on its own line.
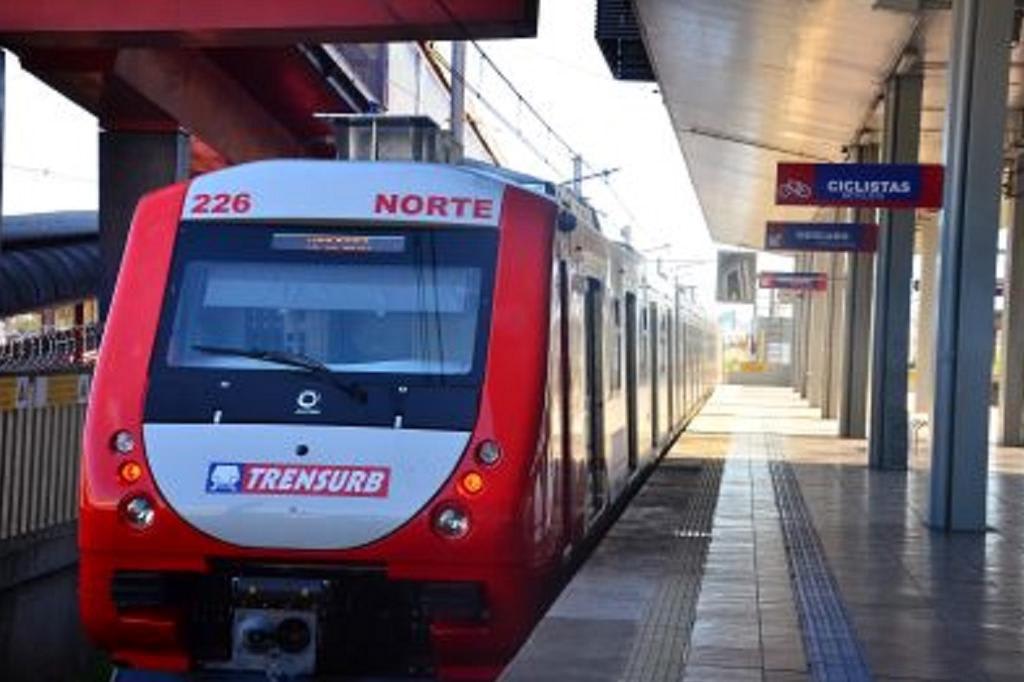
(852,237)
(797,281)
(862,185)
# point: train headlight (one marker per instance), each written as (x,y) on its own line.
(123,442)
(451,522)
(138,511)
(489,452)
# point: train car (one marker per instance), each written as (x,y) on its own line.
(359,417)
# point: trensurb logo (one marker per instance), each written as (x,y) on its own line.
(298,479)
(224,478)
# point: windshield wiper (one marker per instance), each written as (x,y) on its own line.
(281,357)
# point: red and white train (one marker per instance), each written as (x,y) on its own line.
(356,417)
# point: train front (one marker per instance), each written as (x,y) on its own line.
(312,443)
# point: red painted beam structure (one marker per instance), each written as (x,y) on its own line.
(241,76)
(233,22)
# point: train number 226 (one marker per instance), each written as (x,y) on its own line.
(221,203)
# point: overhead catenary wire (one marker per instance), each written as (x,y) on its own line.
(524,102)
(48,173)
(514,128)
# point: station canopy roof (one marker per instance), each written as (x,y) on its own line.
(748,84)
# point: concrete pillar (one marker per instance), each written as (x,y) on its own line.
(1011,381)
(860,284)
(837,304)
(823,264)
(928,238)
(975,124)
(816,340)
(804,265)
(856,361)
(831,344)
(822,345)
(853,398)
(887,446)
(805,331)
(796,361)
(132,164)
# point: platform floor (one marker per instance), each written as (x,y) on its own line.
(764,549)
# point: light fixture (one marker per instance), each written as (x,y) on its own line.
(123,442)
(451,522)
(138,511)
(488,452)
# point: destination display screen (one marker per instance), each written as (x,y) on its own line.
(339,243)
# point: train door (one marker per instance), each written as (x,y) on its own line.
(680,364)
(684,369)
(576,401)
(644,421)
(670,369)
(631,406)
(655,361)
(562,396)
(593,324)
(664,422)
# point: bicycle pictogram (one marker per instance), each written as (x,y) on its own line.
(794,188)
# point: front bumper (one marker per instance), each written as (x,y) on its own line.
(367,623)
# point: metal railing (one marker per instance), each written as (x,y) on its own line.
(50,351)
(41,421)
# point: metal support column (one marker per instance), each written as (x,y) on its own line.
(887,446)
(1011,380)
(458,94)
(923,389)
(975,124)
(131,164)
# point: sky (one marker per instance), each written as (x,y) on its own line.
(50,151)
(50,148)
(612,124)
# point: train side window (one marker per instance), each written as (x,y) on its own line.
(642,347)
(663,344)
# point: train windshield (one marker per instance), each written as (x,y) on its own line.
(408,302)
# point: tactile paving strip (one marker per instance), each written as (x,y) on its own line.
(660,648)
(833,651)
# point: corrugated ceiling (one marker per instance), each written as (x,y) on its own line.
(749,83)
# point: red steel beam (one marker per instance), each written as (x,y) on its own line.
(240,22)
(207,102)
(278,78)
